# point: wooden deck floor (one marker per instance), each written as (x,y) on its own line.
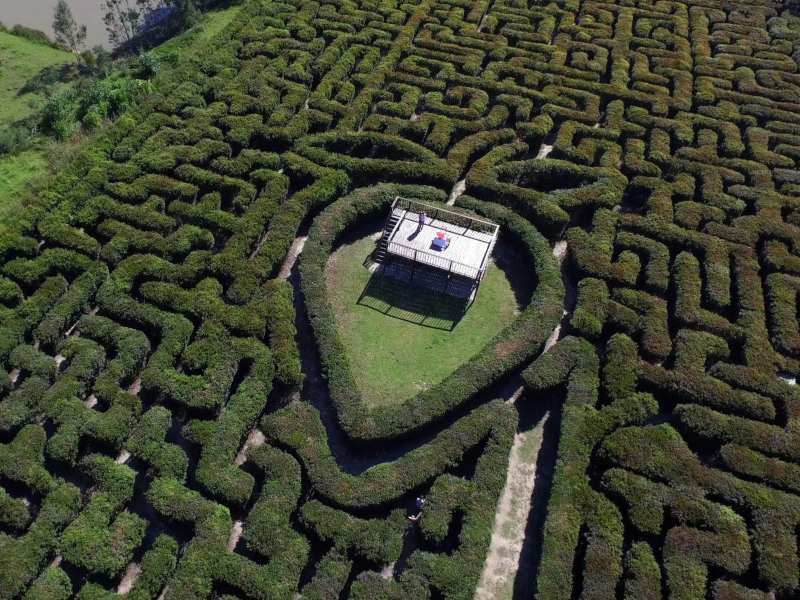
(468,249)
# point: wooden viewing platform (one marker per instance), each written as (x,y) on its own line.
(409,234)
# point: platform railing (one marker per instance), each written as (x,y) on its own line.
(455,218)
(439,262)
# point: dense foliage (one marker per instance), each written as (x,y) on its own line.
(158,436)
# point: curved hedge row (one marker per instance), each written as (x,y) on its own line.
(510,349)
(299,428)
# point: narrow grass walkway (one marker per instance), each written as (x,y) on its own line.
(399,341)
(211,23)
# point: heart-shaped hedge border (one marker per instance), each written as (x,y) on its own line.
(510,349)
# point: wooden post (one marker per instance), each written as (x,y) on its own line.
(477,287)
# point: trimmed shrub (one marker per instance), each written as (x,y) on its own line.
(23,558)
(280,313)
(299,427)
(331,577)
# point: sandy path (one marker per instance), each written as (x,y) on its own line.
(129,578)
(236,534)
(458,189)
(544,150)
(508,535)
(291,258)
(136,386)
(256,438)
(560,253)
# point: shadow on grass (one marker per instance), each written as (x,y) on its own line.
(50,76)
(412,304)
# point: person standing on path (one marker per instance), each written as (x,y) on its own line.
(419,503)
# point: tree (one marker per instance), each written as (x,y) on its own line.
(58,114)
(187,13)
(97,61)
(68,33)
(123,18)
(126,20)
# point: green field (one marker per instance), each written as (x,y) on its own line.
(16,173)
(20,61)
(397,343)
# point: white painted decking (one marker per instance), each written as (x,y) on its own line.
(466,255)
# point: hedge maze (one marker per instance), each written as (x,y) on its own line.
(157,437)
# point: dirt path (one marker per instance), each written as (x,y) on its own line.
(544,151)
(458,189)
(291,258)
(508,535)
(129,578)
(236,533)
(255,438)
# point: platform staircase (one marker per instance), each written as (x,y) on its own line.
(379,255)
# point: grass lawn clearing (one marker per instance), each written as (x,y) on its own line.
(16,172)
(20,61)
(398,339)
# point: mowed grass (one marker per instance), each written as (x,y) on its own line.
(20,61)
(16,173)
(392,356)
